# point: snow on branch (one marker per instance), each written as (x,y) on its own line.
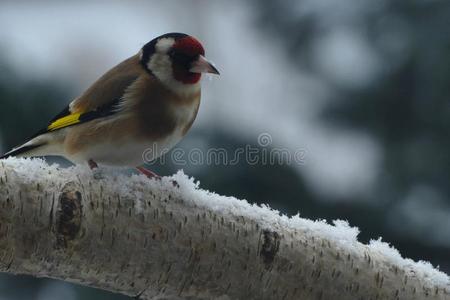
(152,240)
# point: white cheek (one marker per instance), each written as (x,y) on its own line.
(161,66)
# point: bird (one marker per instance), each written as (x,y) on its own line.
(145,104)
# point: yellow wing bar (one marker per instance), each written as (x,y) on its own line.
(64,122)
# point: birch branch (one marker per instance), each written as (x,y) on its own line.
(151,240)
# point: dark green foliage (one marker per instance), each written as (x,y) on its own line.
(406,109)
(26,106)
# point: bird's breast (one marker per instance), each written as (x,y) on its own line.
(181,118)
(185,115)
(161,112)
(170,120)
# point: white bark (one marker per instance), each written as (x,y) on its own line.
(150,239)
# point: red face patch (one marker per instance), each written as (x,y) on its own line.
(185,51)
(189,46)
(183,75)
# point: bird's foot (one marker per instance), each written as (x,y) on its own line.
(96,171)
(152,175)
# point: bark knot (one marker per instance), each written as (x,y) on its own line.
(68,215)
(270,247)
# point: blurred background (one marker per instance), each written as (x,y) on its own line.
(362,87)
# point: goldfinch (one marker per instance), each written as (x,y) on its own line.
(148,101)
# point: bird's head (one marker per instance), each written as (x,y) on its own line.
(177,60)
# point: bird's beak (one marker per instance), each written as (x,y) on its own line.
(202,65)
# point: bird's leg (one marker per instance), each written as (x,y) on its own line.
(95,169)
(150,174)
(92,164)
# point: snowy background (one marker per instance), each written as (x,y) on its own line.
(361,88)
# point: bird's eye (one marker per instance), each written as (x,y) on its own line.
(181,58)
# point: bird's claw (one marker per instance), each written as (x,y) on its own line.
(152,175)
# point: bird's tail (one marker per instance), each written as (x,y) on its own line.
(20,151)
(39,146)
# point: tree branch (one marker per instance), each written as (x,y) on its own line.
(147,238)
